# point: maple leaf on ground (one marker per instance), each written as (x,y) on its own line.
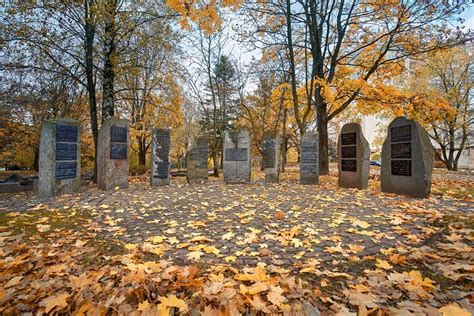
(362,224)
(55,301)
(254,289)
(279,215)
(171,301)
(230,259)
(79,282)
(453,310)
(398,259)
(212,288)
(157,239)
(383,264)
(144,306)
(259,274)
(275,295)
(13,281)
(42,228)
(355,248)
(194,255)
(228,236)
(258,304)
(358,299)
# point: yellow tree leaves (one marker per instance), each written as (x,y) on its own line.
(204,13)
(52,302)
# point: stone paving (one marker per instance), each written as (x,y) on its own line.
(284,224)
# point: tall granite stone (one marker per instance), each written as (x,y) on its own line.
(309,159)
(407,159)
(353,153)
(112,154)
(196,161)
(237,156)
(59,158)
(271,150)
(160,157)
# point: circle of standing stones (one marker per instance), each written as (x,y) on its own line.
(407,158)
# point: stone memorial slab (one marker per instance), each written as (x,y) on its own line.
(112,154)
(237,157)
(59,158)
(196,161)
(309,159)
(160,157)
(407,159)
(354,157)
(271,150)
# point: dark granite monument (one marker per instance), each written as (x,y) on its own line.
(160,157)
(59,158)
(309,159)
(196,161)
(237,156)
(353,153)
(271,150)
(407,159)
(112,154)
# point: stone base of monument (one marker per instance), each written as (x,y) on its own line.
(271,177)
(309,179)
(407,159)
(156,182)
(353,157)
(112,154)
(15,187)
(59,158)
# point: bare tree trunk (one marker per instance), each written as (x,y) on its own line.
(89,28)
(294,91)
(141,150)
(36,159)
(284,142)
(323,135)
(142,158)
(108,106)
(215,164)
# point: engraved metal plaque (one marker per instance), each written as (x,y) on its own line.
(118,151)
(66,133)
(309,153)
(349,139)
(400,150)
(66,170)
(269,153)
(236,154)
(401,168)
(163,141)
(349,151)
(66,151)
(308,168)
(349,165)
(400,133)
(309,159)
(118,134)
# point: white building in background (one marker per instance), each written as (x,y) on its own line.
(466,161)
(375,131)
(373,125)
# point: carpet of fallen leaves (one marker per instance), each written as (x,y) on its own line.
(64,260)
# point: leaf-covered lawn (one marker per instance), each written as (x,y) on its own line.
(217,249)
